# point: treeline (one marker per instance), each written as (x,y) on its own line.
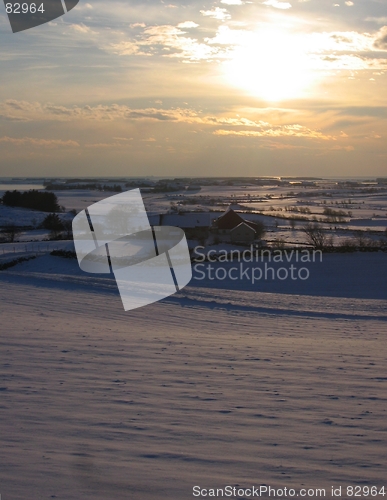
(72,181)
(116,188)
(37,200)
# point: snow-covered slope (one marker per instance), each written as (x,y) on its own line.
(211,387)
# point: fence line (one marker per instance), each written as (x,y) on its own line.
(35,247)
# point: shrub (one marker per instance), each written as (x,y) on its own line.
(279,244)
(14,262)
(347,245)
(362,239)
(67,254)
(52,222)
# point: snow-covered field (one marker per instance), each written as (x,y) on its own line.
(214,386)
(228,382)
(344,210)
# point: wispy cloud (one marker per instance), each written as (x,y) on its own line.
(26,111)
(82,28)
(187,24)
(378,20)
(239,126)
(339,50)
(217,13)
(278,131)
(381,39)
(38,143)
(277,4)
(166,41)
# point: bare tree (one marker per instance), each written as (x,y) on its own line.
(315,236)
(11,232)
(260,230)
(362,239)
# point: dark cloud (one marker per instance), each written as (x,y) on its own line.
(365,111)
(381,41)
(154,116)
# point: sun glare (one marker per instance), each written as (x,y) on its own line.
(273,65)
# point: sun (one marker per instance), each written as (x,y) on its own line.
(272,64)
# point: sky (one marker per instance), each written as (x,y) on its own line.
(197,88)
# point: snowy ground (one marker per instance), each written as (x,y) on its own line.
(228,382)
(20,216)
(211,387)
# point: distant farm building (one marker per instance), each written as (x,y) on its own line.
(230,220)
(195,225)
(243,233)
(189,220)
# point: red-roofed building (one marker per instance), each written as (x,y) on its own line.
(230,220)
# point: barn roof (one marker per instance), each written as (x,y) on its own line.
(229,220)
(245,225)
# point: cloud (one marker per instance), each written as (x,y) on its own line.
(336,50)
(216,13)
(277,4)
(114,112)
(12,110)
(365,111)
(294,130)
(340,41)
(232,2)
(233,38)
(127,48)
(381,39)
(86,6)
(378,20)
(82,28)
(347,50)
(40,143)
(218,125)
(108,145)
(28,112)
(187,24)
(166,41)
(251,123)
